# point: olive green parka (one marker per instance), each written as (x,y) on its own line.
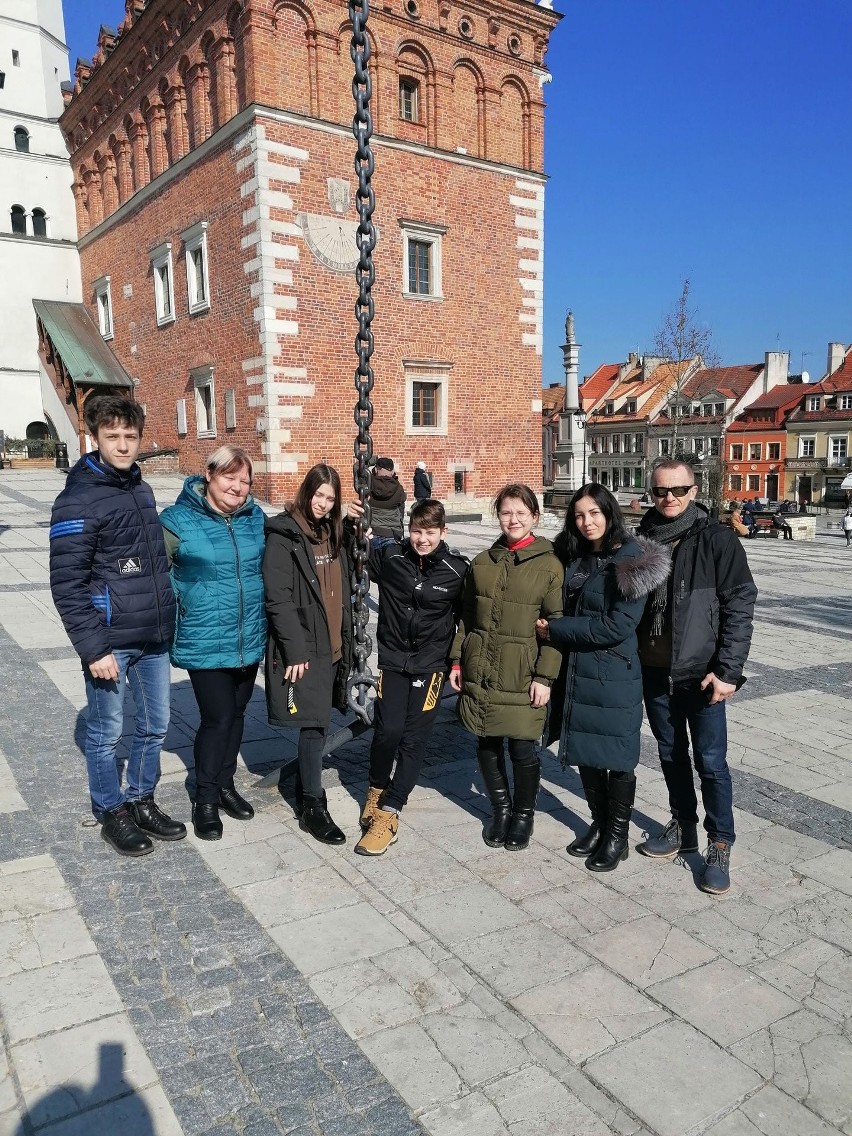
(505,593)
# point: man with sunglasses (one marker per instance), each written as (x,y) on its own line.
(694,640)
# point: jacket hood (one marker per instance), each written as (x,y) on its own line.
(283,524)
(193,496)
(386,490)
(91,469)
(539,547)
(640,566)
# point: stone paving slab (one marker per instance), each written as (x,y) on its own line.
(265,984)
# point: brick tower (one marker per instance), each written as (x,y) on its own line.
(213,156)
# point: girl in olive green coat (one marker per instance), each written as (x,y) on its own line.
(501,670)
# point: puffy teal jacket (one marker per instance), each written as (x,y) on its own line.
(216,576)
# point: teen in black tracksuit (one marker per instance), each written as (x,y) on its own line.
(420,584)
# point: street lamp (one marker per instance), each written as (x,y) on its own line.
(580,419)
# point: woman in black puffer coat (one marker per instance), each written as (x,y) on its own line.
(306,576)
(596,707)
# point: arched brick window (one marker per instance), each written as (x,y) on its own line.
(512,143)
(466,126)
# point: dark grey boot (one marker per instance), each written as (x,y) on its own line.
(527,781)
(596,788)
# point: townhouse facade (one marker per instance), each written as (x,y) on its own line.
(212,156)
(819,434)
(756,444)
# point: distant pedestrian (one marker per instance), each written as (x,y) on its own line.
(783,526)
(214,539)
(694,640)
(501,670)
(306,574)
(596,708)
(387,500)
(846,525)
(422,482)
(109,578)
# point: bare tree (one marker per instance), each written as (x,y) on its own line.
(685,345)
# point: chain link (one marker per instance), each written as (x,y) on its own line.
(362,681)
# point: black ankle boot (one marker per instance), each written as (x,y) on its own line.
(613,849)
(595,786)
(206,822)
(316,820)
(151,819)
(493,770)
(234,805)
(527,781)
(121,832)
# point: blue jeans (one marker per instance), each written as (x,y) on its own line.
(146,669)
(674,719)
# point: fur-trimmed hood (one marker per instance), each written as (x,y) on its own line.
(638,575)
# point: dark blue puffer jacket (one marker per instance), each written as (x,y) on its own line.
(109,575)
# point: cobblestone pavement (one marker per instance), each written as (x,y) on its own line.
(267,984)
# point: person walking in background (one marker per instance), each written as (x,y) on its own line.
(420,584)
(422,482)
(387,501)
(501,670)
(109,578)
(694,640)
(309,652)
(596,706)
(846,525)
(214,540)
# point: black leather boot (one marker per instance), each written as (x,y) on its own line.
(234,805)
(595,786)
(206,822)
(151,819)
(316,820)
(493,769)
(527,781)
(613,849)
(121,832)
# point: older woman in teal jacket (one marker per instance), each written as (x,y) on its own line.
(215,542)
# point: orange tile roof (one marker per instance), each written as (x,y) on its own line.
(596,385)
(732,382)
(841,379)
(552,399)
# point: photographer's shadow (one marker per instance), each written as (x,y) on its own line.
(108,1107)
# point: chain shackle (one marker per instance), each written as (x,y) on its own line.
(361,681)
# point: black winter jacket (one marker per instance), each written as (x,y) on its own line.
(596,705)
(109,575)
(712,594)
(298,629)
(422,485)
(419,604)
(387,504)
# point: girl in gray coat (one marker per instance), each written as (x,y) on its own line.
(597,699)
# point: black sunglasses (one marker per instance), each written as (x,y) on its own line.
(661,491)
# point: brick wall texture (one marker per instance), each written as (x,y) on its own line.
(242,119)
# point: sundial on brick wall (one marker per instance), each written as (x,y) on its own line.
(332,238)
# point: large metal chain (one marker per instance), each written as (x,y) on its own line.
(361,681)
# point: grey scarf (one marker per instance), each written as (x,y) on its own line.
(664,531)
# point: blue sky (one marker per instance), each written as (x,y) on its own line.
(707,140)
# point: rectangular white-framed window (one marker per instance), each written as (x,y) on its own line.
(426,397)
(807,446)
(164,285)
(604,443)
(630,406)
(627,444)
(205,402)
(638,443)
(814,402)
(718,409)
(736,451)
(773,451)
(714,447)
(103,304)
(665,447)
(754,451)
(844,402)
(421,260)
(197,270)
(698,446)
(838,447)
(615,443)
(735,482)
(609,407)
(409,99)
(754,483)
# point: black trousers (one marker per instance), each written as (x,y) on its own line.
(222,697)
(311,745)
(522,751)
(405,712)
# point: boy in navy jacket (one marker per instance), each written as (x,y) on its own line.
(109,578)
